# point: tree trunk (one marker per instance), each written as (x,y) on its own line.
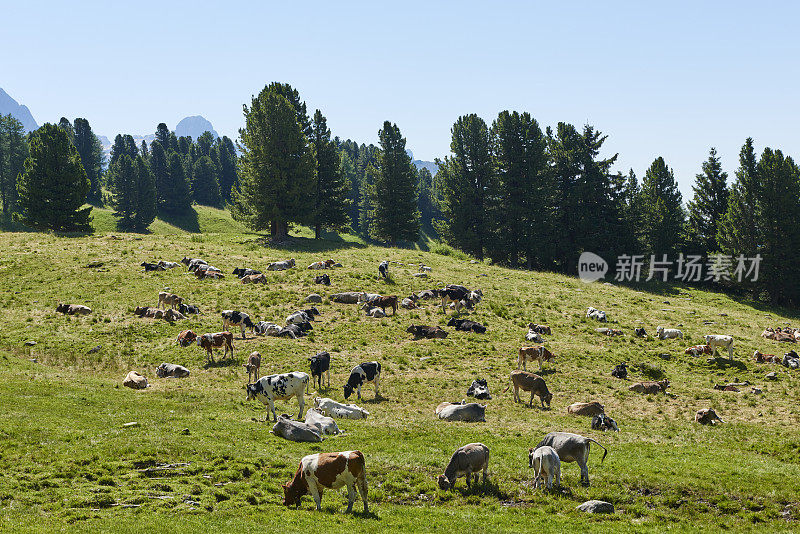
(317,231)
(279,231)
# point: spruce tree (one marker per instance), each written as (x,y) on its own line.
(123,145)
(124,182)
(395,194)
(175,195)
(53,185)
(330,209)
(204,182)
(426,203)
(739,230)
(160,169)
(91,152)
(13,153)
(708,206)
(146,207)
(162,135)
(65,125)
(228,173)
(663,215)
(347,168)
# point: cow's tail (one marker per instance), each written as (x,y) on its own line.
(604,449)
(510,383)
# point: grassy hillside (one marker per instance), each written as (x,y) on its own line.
(70,463)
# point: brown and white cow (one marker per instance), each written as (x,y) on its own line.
(186,338)
(328,470)
(216,340)
(253,366)
(760,357)
(259,278)
(697,350)
(539,353)
(73,309)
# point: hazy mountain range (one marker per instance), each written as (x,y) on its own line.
(10,106)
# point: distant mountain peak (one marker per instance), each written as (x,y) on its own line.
(194,127)
(20,112)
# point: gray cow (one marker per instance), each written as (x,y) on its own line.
(350,297)
(572,448)
(171,370)
(469,413)
(325,425)
(296,430)
(467,461)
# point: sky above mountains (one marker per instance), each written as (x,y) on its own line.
(667,80)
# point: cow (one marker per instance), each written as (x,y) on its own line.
(546,465)
(331,408)
(598,315)
(539,328)
(467,326)
(620,371)
(466,412)
(171,370)
(586,408)
(189,309)
(361,374)
(367,297)
(281,265)
(409,303)
(650,388)
(572,448)
(294,331)
(459,296)
(270,388)
(429,332)
(640,332)
(539,353)
(299,317)
(325,425)
(173,315)
(479,389)
(707,416)
(323,279)
(148,267)
(317,265)
(424,268)
(350,297)
(383,269)
(715,342)
(253,366)
(296,431)
(208,273)
(147,311)
(375,313)
(320,365)
(241,272)
(218,339)
(385,302)
(610,332)
(791,360)
(193,263)
(186,338)
(73,309)
(254,279)
(328,470)
(263,328)
(237,318)
(134,380)
(467,461)
(529,382)
(427,294)
(167,264)
(697,350)
(668,333)
(760,357)
(533,337)
(603,422)
(311,312)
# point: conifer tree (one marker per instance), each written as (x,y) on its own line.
(663,215)
(146,208)
(739,230)
(708,206)
(91,152)
(160,169)
(174,192)
(162,135)
(228,173)
(330,209)
(13,153)
(204,182)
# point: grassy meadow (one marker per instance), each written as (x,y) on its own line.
(69,463)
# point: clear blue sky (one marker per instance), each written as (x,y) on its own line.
(670,80)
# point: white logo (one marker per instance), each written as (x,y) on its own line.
(591,267)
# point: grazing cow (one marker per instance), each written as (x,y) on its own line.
(650,388)
(328,470)
(237,318)
(189,309)
(361,374)
(429,332)
(598,315)
(697,350)
(383,269)
(707,416)
(73,309)
(331,408)
(539,353)
(610,332)
(620,371)
(466,325)
(255,279)
(640,332)
(241,272)
(253,366)
(760,357)
(479,389)
(296,431)
(533,337)
(134,380)
(350,297)
(263,328)
(465,412)
(715,342)
(186,338)
(324,425)
(546,466)
(218,339)
(173,315)
(603,422)
(167,264)
(281,265)
(320,365)
(171,370)
(668,333)
(586,408)
(323,279)
(270,388)
(539,328)
(529,382)
(467,461)
(385,302)
(572,448)
(152,267)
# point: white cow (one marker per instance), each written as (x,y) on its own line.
(546,464)
(263,328)
(593,313)
(715,341)
(668,333)
(281,265)
(331,408)
(533,337)
(268,389)
(325,425)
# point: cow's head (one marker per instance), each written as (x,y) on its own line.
(253,390)
(348,390)
(547,398)
(248,322)
(444,482)
(530,458)
(413,329)
(161,370)
(292,493)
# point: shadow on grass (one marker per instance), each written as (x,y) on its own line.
(216,364)
(375,400)
(726,363)
(486,487)
(304,244)
(187,221)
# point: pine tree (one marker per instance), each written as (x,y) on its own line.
(228,173)
(293,96)
(91,152)
(160,169)
(65,125)
(204,182)
(53,185)
(162,135)
(13,153)
(426,203)
(174,192)
(347,168)
(124,186)
(395,197)
(204,143)
(144,151)
(708,206)
(663,215)
(739,230)
(276,168)
(330,209)
(123,145)
(146,207)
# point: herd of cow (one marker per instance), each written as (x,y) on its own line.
(321,471)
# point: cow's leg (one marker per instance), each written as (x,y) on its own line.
(530,403)
(443,310)
(362,489)
(584,468)
(302,402)
(328,373)
(243,336)
(351,496)
(272,409)
(359,392)
(316,493)
(558,474)
(377,393)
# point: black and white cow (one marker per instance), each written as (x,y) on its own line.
(363,374)
(188,309)
(241,272)
(323,279)
(383,269)
(268,389)
(237,318)
(193,263)
(320,365)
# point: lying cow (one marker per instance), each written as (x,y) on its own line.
(281,265)
(148,267)
(168,299)
(320,365)
(539,328)
(650,388)
(586,408)
(296,431)
(610,332)
(466,325)
(317,265)
(466,412)
(715,342)
(428,294)
(571,448)
(193,263)
(458,296)
(189,309)
(73,309)
(540,354)
(603,422)
(264,328)
(467,461)
(331,408)
(594,313)
(237,318)
(791,360)
(241,272)
(324,425)
(363,373)
(329,470)
(167,264)
(620,371)
(173,315)
(171,370)
(209,274)
(479,389)
(293,331)
(323,279)
(546,466)
(640,332)
(150,313)
(707,416)
(760,357)
(409,303)
(529,382)
(533,337)
(216,340)
(350,297)
(186,338)
(668,333)
(370,311)
(300,317)
(697,350)
(255,279)
(253,366)
(270,388)
(429,332)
